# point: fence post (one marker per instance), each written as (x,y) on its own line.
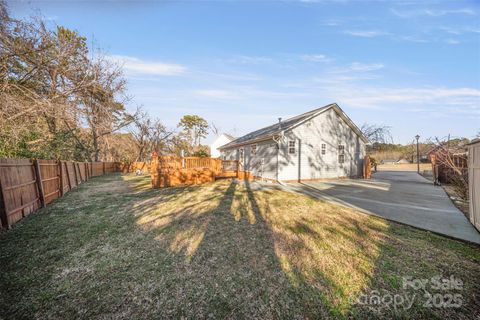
(68,177)
(3,208)
(60,176)
(367,170)
(80,172)
(75,172)
(38,175)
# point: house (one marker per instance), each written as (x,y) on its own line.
(322,143)
(219,141)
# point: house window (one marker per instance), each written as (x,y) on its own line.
(253,149)
(324,148)
(241,154)
(291,146)
(341,153)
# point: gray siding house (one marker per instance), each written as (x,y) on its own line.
(322,143)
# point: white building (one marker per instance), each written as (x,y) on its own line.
(322,143)
(219,141)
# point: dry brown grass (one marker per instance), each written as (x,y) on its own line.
(219,250)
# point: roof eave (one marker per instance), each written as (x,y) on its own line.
(344,116)
(244,143)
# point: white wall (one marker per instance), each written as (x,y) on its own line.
(329,129)
(219,141)
(262,164)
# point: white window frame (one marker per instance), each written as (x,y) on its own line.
(290,148)
(253,149)
(341,153)
(324,149)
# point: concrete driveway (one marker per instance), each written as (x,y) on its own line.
(401,196)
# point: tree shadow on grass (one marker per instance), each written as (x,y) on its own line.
(235,258)
(220,250)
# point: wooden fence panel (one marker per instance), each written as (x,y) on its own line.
(26,185)
(65,177)
(19,190)
(50,175)
(81,171)
(109,167)
(71,174)
(97,169)
(174,171)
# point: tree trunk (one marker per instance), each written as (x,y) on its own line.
(95,143)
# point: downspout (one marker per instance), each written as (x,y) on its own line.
(278,150)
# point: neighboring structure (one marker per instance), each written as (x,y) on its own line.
(322,143)
(474,182)
(388,161)
(444,158)
(219,141)
(402,161)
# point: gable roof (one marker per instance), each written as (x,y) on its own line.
(223,136)
(229,136)
(268,132)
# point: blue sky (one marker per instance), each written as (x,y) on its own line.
(411,65)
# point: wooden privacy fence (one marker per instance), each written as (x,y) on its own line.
(27,185)
(174,171)
(129,167)
(367,168)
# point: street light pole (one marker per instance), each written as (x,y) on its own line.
(418,155)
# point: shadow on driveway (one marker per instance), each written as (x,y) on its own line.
(400,196)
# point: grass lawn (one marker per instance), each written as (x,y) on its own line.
(114,248)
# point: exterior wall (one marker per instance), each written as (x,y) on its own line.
(219,141)
(474,183)
(262,164)
(327,128)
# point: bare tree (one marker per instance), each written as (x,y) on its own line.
(149,135)
(377,133)
(216,130)
(455,164)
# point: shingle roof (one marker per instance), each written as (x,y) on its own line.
(275,128)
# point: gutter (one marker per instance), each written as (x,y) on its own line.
(248,142)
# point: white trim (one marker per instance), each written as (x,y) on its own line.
(321,110)
(294,146)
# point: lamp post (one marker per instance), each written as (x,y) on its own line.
(418,155)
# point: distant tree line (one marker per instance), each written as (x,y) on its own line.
(382,147)
(58,100)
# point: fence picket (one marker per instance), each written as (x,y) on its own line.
(27,185)
(39,182)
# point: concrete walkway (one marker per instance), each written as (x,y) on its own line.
(400,196)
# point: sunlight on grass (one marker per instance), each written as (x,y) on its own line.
(181,214)
(330,250)
(116,248)
(323,246)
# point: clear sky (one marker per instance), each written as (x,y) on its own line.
(412,65)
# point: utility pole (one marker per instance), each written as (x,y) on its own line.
(418,155)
